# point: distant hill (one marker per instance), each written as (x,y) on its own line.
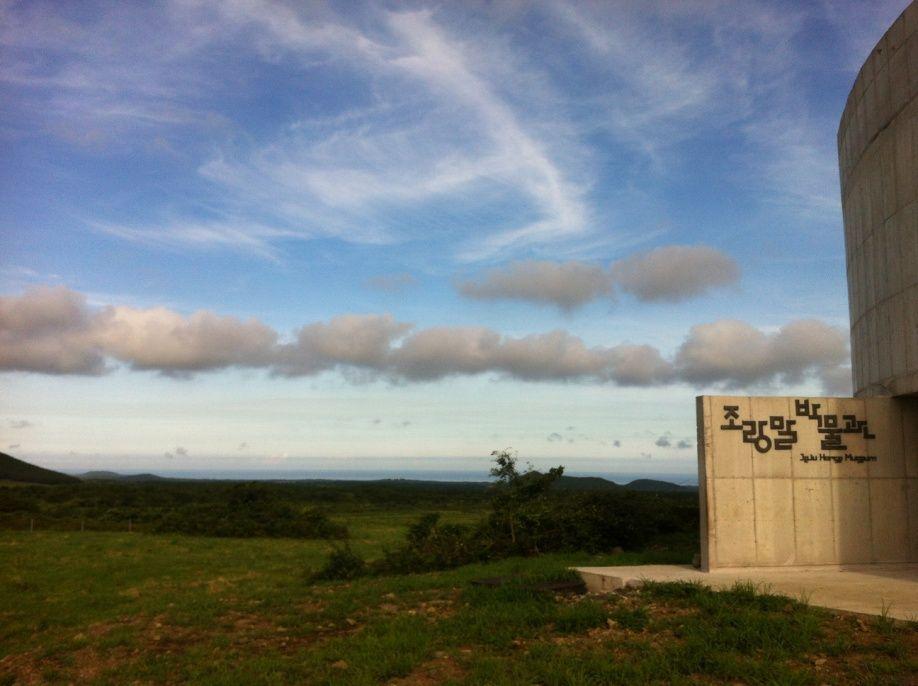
(597,483)
(658,486)
(115,476)
(12,469)
(585,483)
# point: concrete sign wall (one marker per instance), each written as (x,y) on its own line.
(807,481)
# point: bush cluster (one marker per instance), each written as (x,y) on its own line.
(250,511)
(527,517)
(193,508)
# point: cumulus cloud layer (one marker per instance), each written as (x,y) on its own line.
(675,272)
(736,354)
(55,331)
(49,330)
(670,273)
(166,341)
(565,284)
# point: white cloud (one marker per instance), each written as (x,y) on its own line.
(567,285)
(669,273)
(350,340)
(165,341)
(736,354)
(54,331)
(675,272)
(48,330)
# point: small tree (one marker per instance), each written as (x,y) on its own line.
(518,496)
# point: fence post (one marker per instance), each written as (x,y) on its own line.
(130,525)
(31,525)
(82,525)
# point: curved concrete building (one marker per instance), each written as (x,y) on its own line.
(878,163)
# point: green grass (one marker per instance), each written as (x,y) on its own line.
(113,608)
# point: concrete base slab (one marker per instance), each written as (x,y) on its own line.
(868,589)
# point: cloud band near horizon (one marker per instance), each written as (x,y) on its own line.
(53,330)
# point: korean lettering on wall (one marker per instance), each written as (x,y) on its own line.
(780,433)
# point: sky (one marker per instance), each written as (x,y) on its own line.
(243,234)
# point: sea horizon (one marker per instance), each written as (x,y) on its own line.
(443,475)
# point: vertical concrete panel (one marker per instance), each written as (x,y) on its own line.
(898,79)
(881,83)
(858,353)
(834,507)
(885,422)
(851,512)
(878,151)
(898,332)
(884,348)
(907,221)
(731,457)
(912,48)
(880,269)
(856,258)
(908,407)
(870,277)
(911,310)
(814,522)
(734,518)
(873,345)
(889,520)
(887,169)
(895,282)
(912,494)
(705,480)
(871,117)
(911,19)
(855,444)
(774,521)
(905,164)
(808,443)
(774,463)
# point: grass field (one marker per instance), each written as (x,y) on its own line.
(116,608)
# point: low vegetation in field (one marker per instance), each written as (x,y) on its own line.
(257,509)
(439,584)
(109,608)
(520,513)
(526,516)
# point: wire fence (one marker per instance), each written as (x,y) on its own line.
(33,523)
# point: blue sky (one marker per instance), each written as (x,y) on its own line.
(248,234)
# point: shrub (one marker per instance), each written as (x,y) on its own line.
(342,564)
(519,503)
(430,545)
(527,517)
(249,513)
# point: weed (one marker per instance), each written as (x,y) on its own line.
(634,619)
